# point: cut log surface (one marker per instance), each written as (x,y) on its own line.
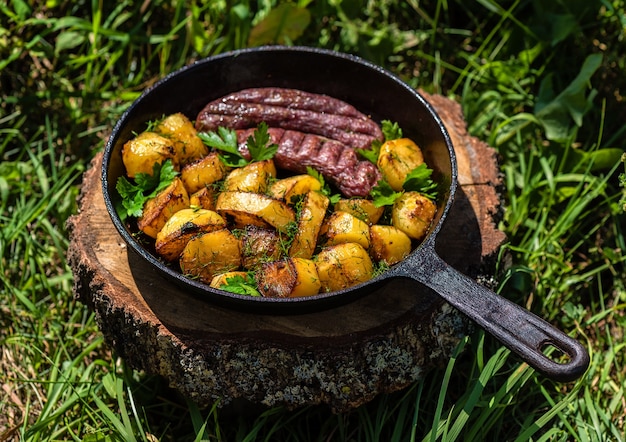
(342,357)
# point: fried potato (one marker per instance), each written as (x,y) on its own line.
(246,208)
(209,254)
(343,265)
(312,213)
(342,227)
(159,209)
(181,227)
(251,178)
(388,244)
(188,146)
(141,153)
(287,188)
(203,172)
(362,208)
(259,245)
(396,159)
(413,213)
(288,278)
(203,198)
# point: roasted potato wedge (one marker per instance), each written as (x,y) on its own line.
(251,178)
(246,208)
(413,213)
(388,244)
(396,159)
(342,227)
(181,227)
(362,208)
(209,254)
(141,153)
(203,198)
(159,209)
(259,245)
(203,172)
(312,213)
(188,146)
(288,278)
(287,188)
(343,265)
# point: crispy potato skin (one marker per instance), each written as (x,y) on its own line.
(181,227)
(343,266)
(209,254)
(312,213)
(247,208)
(389,244)
(413,213)
(187,145)
(342,227)
(259,245)
(396,159)
(159,209)
(203,198)
(203,172)
(289,278)
(141,153)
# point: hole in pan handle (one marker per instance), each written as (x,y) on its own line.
(517,328)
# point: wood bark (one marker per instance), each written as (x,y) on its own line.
(342,357)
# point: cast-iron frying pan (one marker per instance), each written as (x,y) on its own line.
(382,95)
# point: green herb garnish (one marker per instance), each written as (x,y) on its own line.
(391,131)
(325,190)
(225,140)
(241,285)
(383,195)
(419,180)
(146,186)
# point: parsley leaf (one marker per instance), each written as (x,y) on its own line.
(391,131)
(383,195)
(225,140)
(259,144)
(241,285)
(146,186)
(419,180)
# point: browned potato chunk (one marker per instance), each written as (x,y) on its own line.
(260,245)
(396,159)
(203,172)
(203,198)
(179,229)
(251,178)
(389,244)
(343,266)
(246,208)
(209,254)
(287,188)
(189,147)
(288,278)
(413,213)
(140,154)
(159,209)
(362,208)
(312,213)
(342,227)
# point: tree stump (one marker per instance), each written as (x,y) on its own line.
(342,357)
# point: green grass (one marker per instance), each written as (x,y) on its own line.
(542,84)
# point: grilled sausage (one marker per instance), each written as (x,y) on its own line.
(291,109)
(338,163)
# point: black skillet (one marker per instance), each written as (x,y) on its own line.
(380,94)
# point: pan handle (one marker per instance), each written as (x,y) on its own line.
(517,328)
